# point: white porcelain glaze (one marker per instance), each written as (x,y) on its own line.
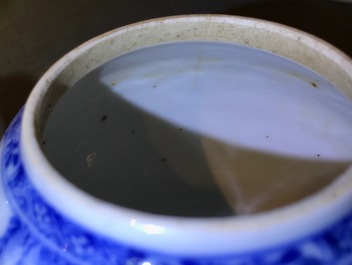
(184,119)
(174,239)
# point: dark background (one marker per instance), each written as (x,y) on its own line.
(34,34)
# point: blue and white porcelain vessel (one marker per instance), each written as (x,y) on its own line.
(46,220)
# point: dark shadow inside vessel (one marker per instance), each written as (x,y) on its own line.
(121,153)
(126,156)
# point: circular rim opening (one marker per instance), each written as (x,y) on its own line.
(179,234)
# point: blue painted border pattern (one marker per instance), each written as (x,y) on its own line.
(38,235)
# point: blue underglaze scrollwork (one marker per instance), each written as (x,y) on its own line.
(39,235)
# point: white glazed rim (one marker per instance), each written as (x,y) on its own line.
(179,235)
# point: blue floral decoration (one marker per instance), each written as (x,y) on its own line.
(39,235)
